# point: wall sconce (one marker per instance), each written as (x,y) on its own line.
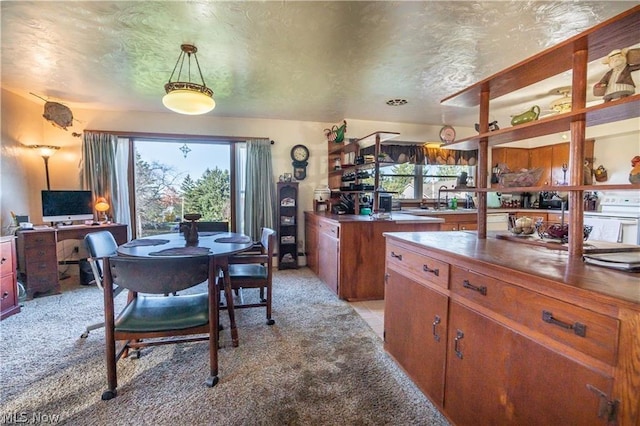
(45,152)
(102,207)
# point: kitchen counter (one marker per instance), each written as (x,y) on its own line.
(551,268)
(504,321)
(346,251)
(396,217)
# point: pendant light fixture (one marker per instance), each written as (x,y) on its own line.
(187,97)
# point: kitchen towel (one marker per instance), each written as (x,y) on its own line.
(604,229)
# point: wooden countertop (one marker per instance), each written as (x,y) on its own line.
(550,267)
(397,217)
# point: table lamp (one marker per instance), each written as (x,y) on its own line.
(102,207)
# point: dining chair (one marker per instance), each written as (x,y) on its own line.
(153,319)
(99,245)
(255,270)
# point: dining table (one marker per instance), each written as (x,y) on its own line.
(219,246)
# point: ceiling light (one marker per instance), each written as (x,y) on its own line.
(433,144)
(396,102)
(187,97)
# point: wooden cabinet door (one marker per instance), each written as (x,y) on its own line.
(496,376)
(559,157)
(328,255)
(415,326)
(541,157)
(311,246)
(514,158)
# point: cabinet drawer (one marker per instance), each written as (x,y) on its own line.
(329,229)
(37,239)
(421,266)
(556,217)
(6,259)
(7,292)
(39,255)
(584,330)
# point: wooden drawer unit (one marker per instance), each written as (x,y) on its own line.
(38,262)
(586,331)
(423,268)
(8,285)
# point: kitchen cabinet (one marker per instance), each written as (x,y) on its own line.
(552,158)
(458,222)
(344,253)
(8,278)
(288,225)
(530,337)
(501,377)
(574,54)
(345,177)
(415,318)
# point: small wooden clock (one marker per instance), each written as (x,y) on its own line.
(300,157)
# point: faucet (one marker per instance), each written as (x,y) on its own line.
(446,200)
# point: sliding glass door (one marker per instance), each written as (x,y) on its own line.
(175,177)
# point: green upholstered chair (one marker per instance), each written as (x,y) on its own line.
(150,318)
(255,270)
(99,245)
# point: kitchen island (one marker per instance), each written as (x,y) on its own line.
(499,332)
(347,251)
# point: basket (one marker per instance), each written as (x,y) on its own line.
(528,178)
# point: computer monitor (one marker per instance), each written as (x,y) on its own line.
(65,206)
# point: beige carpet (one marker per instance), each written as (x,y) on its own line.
(320,364)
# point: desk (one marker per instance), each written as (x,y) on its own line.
(37,254)
(217,245)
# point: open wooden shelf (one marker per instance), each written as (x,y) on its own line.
(609,112)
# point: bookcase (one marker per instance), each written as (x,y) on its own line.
(287,225)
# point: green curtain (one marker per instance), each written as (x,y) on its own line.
(100,169)
(260,196)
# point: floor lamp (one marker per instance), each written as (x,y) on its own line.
(45,152)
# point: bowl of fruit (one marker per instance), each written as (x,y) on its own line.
(559,231)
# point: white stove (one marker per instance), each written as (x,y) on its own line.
(617,220)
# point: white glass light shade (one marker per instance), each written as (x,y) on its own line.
(45,151)
(190,102)
(101,204)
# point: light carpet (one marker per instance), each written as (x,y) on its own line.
(320,364)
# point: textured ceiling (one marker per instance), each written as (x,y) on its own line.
(316,61)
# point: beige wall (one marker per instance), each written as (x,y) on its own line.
(23,170)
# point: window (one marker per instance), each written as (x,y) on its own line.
(417,181)
(174,177)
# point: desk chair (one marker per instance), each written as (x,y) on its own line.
(255,270)
(99,245)
(154,319)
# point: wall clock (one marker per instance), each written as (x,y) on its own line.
(447,134)
(300,155)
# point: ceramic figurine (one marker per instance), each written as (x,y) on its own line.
(526,116)
(634,175)
(617,82)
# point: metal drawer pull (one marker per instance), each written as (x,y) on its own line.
(459,336)
(2,261)
(480,289)
(5,295)
(578,328)
(397,256)
(435,271)
(436,321)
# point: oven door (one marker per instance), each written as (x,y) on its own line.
(606,228)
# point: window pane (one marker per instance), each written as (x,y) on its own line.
(170,181)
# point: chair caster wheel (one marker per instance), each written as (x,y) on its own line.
(212,381)
(108,394)
(84,335)
(270,321)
